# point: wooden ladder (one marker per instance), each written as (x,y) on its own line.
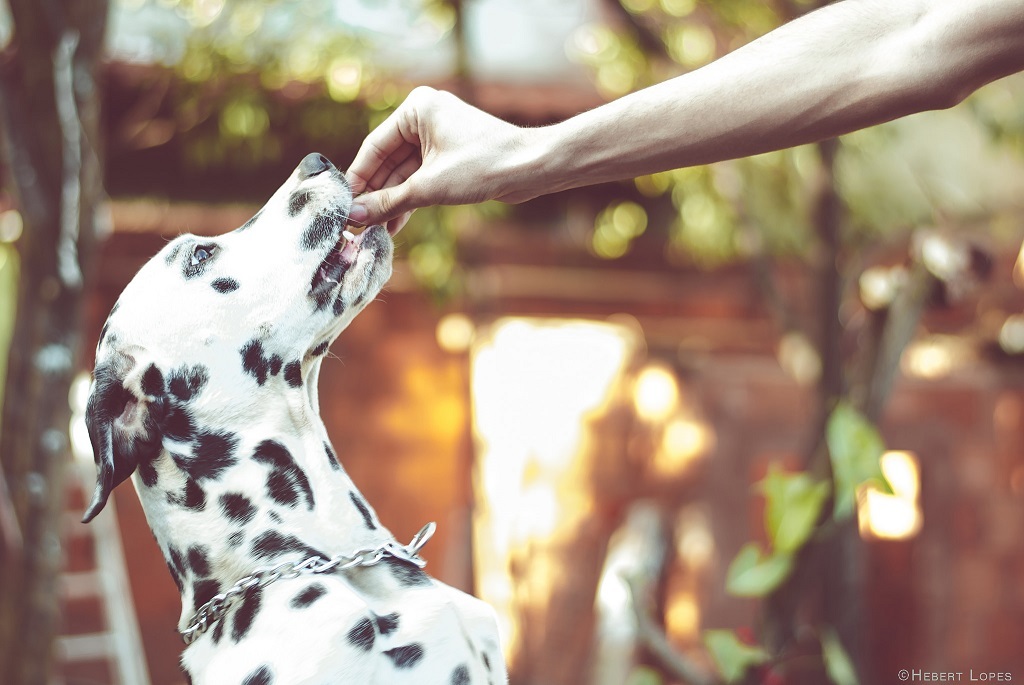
(102,643)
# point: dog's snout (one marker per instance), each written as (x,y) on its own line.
(312,164)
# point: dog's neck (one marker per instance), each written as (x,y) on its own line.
(230,503)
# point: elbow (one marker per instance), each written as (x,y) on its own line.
(951,50)
(930,75)
(943,95)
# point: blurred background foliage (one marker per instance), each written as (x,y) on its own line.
(242,88)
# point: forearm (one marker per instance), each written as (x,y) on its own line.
(850,65)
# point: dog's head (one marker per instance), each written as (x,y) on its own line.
(211,330)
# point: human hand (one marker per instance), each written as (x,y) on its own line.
(436,150)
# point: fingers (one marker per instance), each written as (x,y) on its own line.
(391,143)
(382,206)
(380,147)
(398,223)
(391,199)
(385,174)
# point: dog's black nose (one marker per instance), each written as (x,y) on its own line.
(312,164)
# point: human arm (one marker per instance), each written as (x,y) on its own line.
(844,67)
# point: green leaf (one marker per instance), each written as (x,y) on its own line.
(644,675)
(855,448)
(732,657)
(837,662)
(793,502)
(751,574)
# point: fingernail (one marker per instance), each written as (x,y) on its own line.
(358,213)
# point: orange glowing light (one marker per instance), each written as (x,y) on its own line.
(535,384)
(896,516)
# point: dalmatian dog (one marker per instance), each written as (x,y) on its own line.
(205,394)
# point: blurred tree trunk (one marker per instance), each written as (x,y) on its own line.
(842,556)
(825,587)
(49,109)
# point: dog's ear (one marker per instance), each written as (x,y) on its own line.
(122,413)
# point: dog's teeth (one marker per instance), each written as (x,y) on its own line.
(348,235)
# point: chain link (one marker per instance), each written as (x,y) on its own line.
(214,610)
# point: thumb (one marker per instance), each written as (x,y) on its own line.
(381,206)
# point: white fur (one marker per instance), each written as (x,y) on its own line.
(168,321)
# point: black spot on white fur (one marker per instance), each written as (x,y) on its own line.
(308,596)
(193,497)
(460,676)
(286,482)
(293,374)
(272,544)
(386,624)
(177,424)
(323,228)
(361,506)
(405,656)
(319,349)
(199,560)
(212,454)
(254,361)
(172,255)
(237,507)
(406,573)
(225,285)
(218,631)
(261,676)
(332,458)
(246,613)
(203,591)
(298,201)
(362,634)
(188,381)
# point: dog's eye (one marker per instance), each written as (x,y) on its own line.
(201,253)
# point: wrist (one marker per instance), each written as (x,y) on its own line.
(535,166)
(576,152)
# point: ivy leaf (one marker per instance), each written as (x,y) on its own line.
(732,657)
(837,662)
(855,447)
(793,502)
(751,574)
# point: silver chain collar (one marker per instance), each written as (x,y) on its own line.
(214,610)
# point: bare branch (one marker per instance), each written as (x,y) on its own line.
(654,639)
(71,187)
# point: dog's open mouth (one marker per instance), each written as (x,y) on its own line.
(332,269)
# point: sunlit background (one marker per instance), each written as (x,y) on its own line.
(590,391)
